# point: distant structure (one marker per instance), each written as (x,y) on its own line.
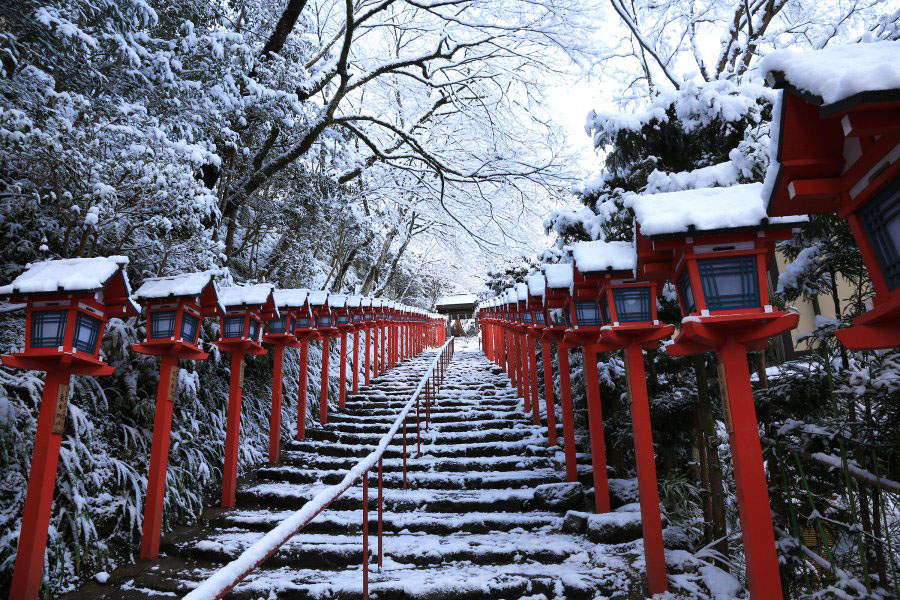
(456,307)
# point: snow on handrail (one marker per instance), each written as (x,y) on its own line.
(223,580)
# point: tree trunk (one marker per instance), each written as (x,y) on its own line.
(373,273)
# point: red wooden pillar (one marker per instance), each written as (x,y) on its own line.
(27,575)
(565,390)
(595,425)
(522,361)
(383,349)
(749,473)
(651,524)
(368,360)
(548,392)
(159,458)
(301,396)
(233,429)
(275,417)
(342,398)
(356,360)
(532,370)
(323,396)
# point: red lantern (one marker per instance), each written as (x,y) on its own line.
(342,319)
(67,305)
(558,286)
(536,324)
(368,317)
(323,321)
(354,305)
(609,301)
(840,153)
(246,307)
(714,244)
(176,306)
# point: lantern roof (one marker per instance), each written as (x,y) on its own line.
(837,74)
(258,294)
(558,275)
(704,210)
(354,301)
(510,296)
(377,302)
(337,300)
(536,284)
(596,256)
(366,302)
(202,284)
(318,298)
(521,292)
(291,298)
(102,273)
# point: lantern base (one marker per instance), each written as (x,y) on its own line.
(240,347)
(877,329)
(751,331)
(72,363)
(170,348)
(647,336)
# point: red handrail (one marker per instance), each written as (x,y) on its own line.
(223,580)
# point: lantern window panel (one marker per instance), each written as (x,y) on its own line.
(277,325)
(304,322)
(687,293)
(729,282)
(357,318)
(162,325)
(343,319)
(587,313)
(254,330)
(190,325)
(526,317)
(539,317)
(368,317)
(48,328)
(234,327)
(881,220)
(87,333)
(632,304)
(323,321)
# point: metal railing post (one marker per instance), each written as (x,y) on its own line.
(404,454)
(427,406)
(418,432)
(380,512)
(365,524)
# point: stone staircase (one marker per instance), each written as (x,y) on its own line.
(485,515)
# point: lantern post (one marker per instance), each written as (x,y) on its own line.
(67,305)
(837,153)
(246,306)
(521,327)
(557,286)
(368,315)
(508,318)
(305,332)
(716,252)
(324,323)
(175,307)
(628,311)
(342,319)
(534,319)
(354,306)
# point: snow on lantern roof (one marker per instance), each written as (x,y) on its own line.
(291,298)
(354,301)
(68,275)
(318,298)
(337,300)
(510,296)
(705,209)
(521,291)
(183,284)
(366,302)
(536,284)
(598,255)
(454,299)
(836,73)
(257,294)
(377,302)
(559,276)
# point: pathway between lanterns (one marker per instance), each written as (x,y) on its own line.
(487,513)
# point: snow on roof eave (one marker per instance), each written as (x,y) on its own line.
(337,300)
(258,294)
(68,275)
(604,257)
(180,286)
(291,297)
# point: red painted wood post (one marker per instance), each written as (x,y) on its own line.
(323,395)
(565,389)
(383,349)
(356,361)
(380,511)
(159,459)
(595,424)
(532,369)
(375,336)
(275,417)
(368,361)
(651,524)
(749,472)
(28,573)
(522,366)
(302,387)
(548,392)
(342,399)
(365,527)
(233,430)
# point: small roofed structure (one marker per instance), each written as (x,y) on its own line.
(836,149)
(457,306)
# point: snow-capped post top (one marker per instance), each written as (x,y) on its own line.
(200,285)
(337,300)
(558,276)
(591,257)
(837,73)
(102,274)
(705,209)
(536,284)
(318,298)
(291,298)
(256,295)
